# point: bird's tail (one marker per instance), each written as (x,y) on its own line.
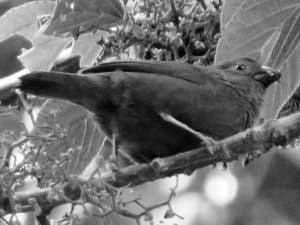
(51,84)
(79,89)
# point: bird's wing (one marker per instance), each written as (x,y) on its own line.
(187,72)
(193,94)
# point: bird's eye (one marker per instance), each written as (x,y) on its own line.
(240,67)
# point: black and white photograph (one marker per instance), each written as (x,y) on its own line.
(149,112)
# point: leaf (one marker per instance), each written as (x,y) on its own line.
(228,11)
(22,19)
(6,5)
(77,16)
(251,26)
(268,31)
(43,54)
(278,95)
(287,41)
(87,47)
(81,131)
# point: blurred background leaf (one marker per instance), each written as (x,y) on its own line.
(87,47)
(5,5)
(81,130)
(44,52)
(18,26)
(278,95)
(23,19)
(78,16)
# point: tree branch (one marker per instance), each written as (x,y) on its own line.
(259,139)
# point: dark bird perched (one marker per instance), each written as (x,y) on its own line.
(134,102)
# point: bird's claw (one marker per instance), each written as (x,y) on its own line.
(113,162)
(212,145)
(209,143)
(250,157)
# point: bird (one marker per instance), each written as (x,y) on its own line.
(154,109)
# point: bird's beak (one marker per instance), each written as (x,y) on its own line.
(267,75)
(272,72)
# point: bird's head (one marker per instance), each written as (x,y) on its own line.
(250,69)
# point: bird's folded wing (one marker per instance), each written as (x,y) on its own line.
(187,72)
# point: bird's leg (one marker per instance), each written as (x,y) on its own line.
(208,141)
(127,157)
(114,155)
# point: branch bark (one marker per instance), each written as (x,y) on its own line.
(260,139)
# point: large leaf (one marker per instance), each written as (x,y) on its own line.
(86,46)
(81,130)
(267,30)
(278,95)
(78,16)
(6,5)
(251,26)
(23,19)
(46,49)
(287,40)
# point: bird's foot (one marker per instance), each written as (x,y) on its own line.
(113,162)
(128,157)
(209,143)
(113,159)
(250,157)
